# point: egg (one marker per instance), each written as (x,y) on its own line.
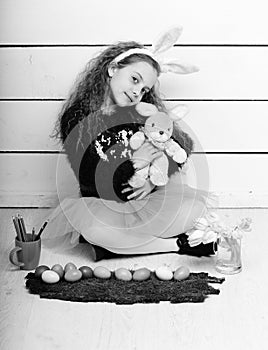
(69,266)
(102,272)
(87,272)
(73,275)
(39,270)
(181,273)
(59,269)
(141,274)
(123,274)
(49,276)
(164,273)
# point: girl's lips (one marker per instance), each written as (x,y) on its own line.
(128,97)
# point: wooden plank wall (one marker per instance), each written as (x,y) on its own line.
(44,45)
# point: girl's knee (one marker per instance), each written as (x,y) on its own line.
(197,210)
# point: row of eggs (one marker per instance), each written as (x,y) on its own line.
(72,274)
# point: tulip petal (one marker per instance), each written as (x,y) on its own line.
(200,224)
(209,236)
(195,242)
(196,235)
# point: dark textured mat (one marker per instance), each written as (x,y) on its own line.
(194,289)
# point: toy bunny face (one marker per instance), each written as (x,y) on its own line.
(158,127)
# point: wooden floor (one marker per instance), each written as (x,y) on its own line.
(235,319)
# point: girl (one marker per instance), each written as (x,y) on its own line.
(94,127)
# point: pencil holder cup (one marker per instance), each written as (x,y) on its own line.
(26,254)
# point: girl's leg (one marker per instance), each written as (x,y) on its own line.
(177,221)
(122,242)
(190,210)
(147,240)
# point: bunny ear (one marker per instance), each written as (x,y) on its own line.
(146,109)
(179,68)
(178,112)
(166,40)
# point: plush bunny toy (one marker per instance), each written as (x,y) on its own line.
(158,129)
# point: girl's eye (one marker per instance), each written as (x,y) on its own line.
(135,80)
(153,124)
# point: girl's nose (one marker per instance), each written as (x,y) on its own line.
(136,92)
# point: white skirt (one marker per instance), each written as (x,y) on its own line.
(133,227)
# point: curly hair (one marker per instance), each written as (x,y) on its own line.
(90,90)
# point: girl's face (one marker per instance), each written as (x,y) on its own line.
(130,83)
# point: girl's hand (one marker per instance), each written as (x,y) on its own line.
(145,155)
(140,192)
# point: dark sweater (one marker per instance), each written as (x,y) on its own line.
(102,165)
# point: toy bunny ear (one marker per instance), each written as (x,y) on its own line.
(146,109)
(166,40)
(178,67)
(178,112)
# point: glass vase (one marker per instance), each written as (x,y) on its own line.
(228,257)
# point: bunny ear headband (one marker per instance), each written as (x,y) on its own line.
(162,44)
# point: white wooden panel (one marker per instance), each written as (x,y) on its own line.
(28,125)
(230,173)
(225,72)
(90,22)
(214,126)
(227,126)
(29,173)
(38,173)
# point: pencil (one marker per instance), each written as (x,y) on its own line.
(41,230)
(33,231)
(23,225)
(23,236)
(16,225)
